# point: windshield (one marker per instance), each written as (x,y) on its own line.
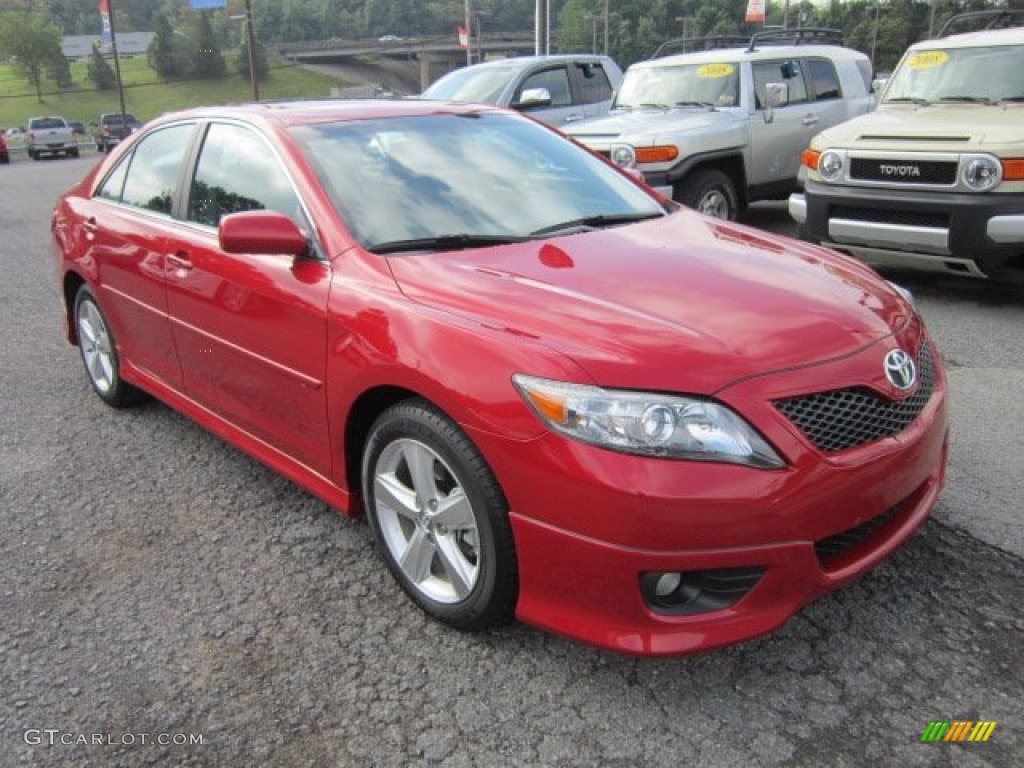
(464,178)
(483,86)
(959,74)
(714,84)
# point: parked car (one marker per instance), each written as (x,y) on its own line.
(112,129)
(77,128)
(50,135)
(718,129)
(554,393)
(934,178)
(4,155)
(555,89)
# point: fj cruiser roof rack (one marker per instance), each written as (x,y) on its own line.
(1003,19)
(794,36)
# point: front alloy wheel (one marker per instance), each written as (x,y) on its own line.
(439,517)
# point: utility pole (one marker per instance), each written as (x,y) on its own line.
(253,76)
(117,64)
(542,29)
(605,27)
(469,34)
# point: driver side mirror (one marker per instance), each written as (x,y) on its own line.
(533,97)
(777,95)
(262,231)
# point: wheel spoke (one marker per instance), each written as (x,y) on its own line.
(391,494)
(421,467)
(418,556)
(460,572)
(455,512)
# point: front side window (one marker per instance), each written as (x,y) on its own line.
(789,72)
(555,80)
(488,176)
(153,168)
(237,172)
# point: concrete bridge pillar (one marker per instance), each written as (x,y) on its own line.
(433,65)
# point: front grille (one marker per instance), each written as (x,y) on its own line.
(842,542)
(846,418)
(899,218)
(903,171)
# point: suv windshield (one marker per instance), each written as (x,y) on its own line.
(475,85)
(959,74)
(713,84)
(468,180)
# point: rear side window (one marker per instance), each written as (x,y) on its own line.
(555,80)
(151,179)
(44,123)
(594,84)
(826,82)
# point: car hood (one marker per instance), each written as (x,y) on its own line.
(648,124)
(937,127)
(682,302)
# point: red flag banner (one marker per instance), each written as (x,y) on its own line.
(755,10)
(104,9)
(463,38)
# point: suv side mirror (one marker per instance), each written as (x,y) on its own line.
(533,97)
(777,95)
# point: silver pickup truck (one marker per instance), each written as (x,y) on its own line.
(50,135)
(718,129)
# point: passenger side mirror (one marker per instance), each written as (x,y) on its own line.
(533,97)
(262,231)
(777,95)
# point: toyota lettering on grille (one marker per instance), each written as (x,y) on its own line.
(899,170)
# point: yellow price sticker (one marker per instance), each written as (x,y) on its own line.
(715,70)
(927,59)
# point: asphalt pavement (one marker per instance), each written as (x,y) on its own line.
(165,600)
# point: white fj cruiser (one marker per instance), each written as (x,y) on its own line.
(718,129)
(934,178)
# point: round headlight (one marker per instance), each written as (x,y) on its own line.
(830,165)
(623,156)
(658,424)
(981,172)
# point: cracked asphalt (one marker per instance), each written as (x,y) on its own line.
(158,584)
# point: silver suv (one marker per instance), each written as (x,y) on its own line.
(720,128)
(555,89)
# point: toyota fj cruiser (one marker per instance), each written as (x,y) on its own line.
(934,178)
(718,129)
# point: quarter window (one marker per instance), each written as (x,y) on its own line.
(153,169)
(237,172)
(826,81)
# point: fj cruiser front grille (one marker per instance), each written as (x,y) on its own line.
(897,217)
(903,171)
(846,418)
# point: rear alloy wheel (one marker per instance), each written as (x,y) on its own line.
(439,517)
(99,353)
(709,192)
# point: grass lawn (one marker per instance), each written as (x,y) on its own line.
(146,96)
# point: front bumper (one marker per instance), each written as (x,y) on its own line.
(975,234)
(589,524)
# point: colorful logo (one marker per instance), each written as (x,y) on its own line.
(958,730)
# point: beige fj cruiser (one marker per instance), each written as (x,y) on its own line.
(934,178)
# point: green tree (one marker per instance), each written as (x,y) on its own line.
(259,58)
(163,55)
(60,72)
(33,44)
(100,71)
(209,60)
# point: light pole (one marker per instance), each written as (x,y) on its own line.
(686,21)
(605,27)
(874,36)
(117,63)
(479,34)
(593,19)
(253,76)
(469,34)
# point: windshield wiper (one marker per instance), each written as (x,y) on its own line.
(968,99)
(651,105)
(1012,98)
(595,222)
(444,243)
(908,100)
(694,104)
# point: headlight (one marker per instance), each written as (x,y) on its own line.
(981,172)
(830,165)
(623,156)
(904,292)
(647,424)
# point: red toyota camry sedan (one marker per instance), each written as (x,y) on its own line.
(555,395)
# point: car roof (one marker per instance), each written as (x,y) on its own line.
(768,52)
(303,112)
(526,61)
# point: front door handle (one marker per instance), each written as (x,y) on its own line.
(810,120)
(179,261)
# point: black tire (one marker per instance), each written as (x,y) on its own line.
(73,152)
(33,154)
(463,524)
(99,353)
(709,192)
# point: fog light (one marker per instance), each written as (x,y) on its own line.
(667,584)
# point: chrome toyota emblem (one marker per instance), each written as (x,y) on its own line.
(899,369)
